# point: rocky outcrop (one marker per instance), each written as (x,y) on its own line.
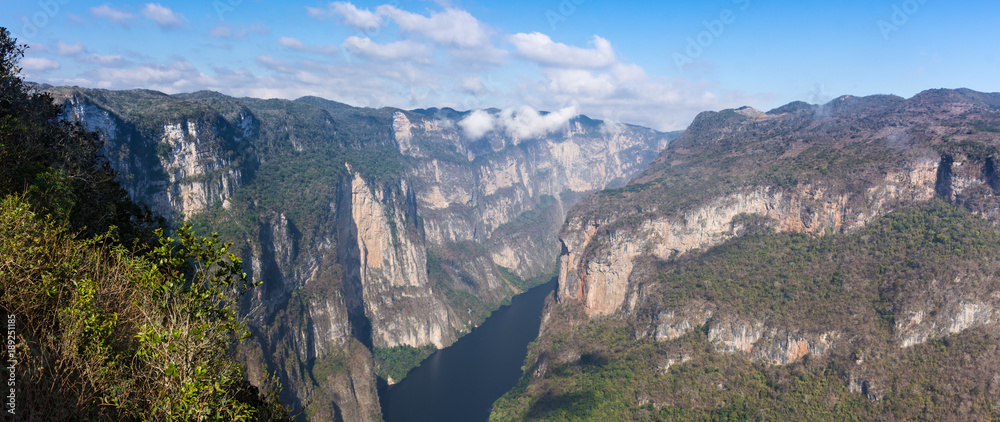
(879,276)
(596,271)
(474,191)
(730,333)
(917,325)
(603,240)
(179,168)
(391,267)
(378,262)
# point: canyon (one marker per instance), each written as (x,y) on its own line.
(375,232)
(752,243)
(840,246)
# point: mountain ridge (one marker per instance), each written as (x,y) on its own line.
(372,230)
(714,274)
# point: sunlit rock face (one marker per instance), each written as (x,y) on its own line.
(407,239)
(850,243)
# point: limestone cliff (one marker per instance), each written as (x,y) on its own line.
(600,280)
(475,191)
(829,261)
(369,229)
(603,239)
(181,166)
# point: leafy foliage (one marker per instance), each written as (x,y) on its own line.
(115,320)
(104,331)
(58,164)
(396,362)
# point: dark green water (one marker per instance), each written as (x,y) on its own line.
(460,383)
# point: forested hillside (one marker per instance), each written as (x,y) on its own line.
(815,262)
(378,235)
(108,317)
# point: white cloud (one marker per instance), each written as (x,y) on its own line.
(521,123)
(34,47)
(118,16)
(163,16)
(657,102)
(349,14)
(70,82)
(309,78)
(222,30)
(104,61)
(274,64)
(483,55)
(474,85)
(453,27)
(179,76)
(64,49)
(292,43)
(540,48)
(297,45)
(38,64)
(612,127)
(580,82)
(406,49)
(477,124)
(435,59)
(606,88)
(227,30)
(526,122)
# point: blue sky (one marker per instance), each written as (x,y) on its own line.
(655,64)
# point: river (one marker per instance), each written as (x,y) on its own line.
(461,382)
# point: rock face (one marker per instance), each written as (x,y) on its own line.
(602,241)
(601,282)
(671,270)
(184,168)
(369,229)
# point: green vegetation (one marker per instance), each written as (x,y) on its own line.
(114,319)
(395,362)
(525,285)
(843,147)
(631,383)
(513,279)
(445,270)
(332,364)
(531,219)
(853,284)
(791,275)
(985,127)
(57,165)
